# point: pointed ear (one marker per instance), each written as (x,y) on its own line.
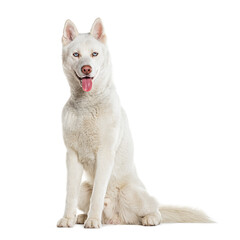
(97,31)
(69,32)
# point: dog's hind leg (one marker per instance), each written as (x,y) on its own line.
(140,204)
(81,218)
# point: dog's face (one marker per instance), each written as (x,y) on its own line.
(84,55)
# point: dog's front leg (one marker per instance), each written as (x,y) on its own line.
(104,166)
(74,176)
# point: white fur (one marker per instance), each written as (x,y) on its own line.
(98,141)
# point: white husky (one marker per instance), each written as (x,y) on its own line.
(98,141)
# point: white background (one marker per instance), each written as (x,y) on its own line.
(176,68)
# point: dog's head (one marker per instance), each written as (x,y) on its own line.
(85,56)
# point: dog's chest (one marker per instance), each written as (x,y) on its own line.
(81,132)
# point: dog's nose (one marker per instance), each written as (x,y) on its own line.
(86,69)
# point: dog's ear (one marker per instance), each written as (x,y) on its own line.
(97,31)
(69,32)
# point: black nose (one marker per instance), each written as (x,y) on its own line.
(86,69)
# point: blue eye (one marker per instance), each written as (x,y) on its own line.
(76,54)
(94,54)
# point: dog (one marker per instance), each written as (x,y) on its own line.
(99,143)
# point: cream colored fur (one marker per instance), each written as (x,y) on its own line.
(99,142)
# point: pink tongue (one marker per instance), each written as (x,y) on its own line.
(86,84)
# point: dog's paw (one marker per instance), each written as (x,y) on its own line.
(152,219)
(66,222)
(81,218)
(92,223)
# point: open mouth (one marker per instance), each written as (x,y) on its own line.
(85,82)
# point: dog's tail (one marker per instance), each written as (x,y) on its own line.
(171,214)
